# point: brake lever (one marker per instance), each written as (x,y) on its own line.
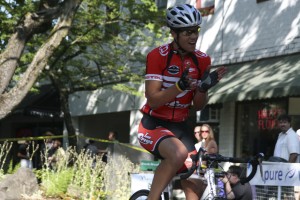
(260,157)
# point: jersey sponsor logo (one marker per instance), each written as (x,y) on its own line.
(144,139)
(200,54)
(177,104)
(164,50)
(191,70)
(173,69)
(153,77)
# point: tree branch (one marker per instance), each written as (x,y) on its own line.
(31,24)
(8,100)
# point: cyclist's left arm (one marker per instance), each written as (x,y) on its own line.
(200,100)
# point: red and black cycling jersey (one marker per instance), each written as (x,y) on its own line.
(165,65)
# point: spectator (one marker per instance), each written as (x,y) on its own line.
(49,141)
(210,145)
(45,146)
(54,154)
(24,155)
(233,187)
(287,145)
(112,138)
(92,150)
(197,136)
(207,136)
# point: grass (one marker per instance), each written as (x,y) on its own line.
(78,176)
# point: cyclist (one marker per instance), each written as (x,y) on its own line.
(177,77)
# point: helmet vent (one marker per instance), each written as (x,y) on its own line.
(183,16)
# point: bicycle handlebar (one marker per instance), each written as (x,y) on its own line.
(254,162)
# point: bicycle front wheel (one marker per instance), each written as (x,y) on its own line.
(140,195)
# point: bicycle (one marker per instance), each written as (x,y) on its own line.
(208,173)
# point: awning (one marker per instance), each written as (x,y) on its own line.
(261,79)
(45,103)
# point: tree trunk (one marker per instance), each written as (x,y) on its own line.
(64,106)
(64,99)
(32,23)
(9,100)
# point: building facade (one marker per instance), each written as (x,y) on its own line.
(259,42)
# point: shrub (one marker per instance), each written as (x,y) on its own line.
(81,177)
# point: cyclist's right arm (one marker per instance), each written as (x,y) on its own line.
(157,97)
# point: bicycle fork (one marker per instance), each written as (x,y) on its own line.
(211,186)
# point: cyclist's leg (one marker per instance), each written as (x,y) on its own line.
(174,153)
(193,188)
(161,142)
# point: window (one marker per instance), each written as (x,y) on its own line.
(209,114)
(257,128)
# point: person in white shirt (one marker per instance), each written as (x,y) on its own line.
(198,137)
(287,145)
(288,148)
(298,133)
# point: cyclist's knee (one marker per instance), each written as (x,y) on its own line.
(177,158)
(173,151)
(181,155)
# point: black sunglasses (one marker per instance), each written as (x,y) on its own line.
(189,32)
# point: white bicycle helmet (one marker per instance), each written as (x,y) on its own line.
(183,16)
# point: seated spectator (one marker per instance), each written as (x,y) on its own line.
(233,187)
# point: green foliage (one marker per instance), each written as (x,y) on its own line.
(56,183)
(88,176)
(11,168)
(105,44)
(11,13)
(117,177)
(79,176)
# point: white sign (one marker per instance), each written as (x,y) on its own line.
(143,181)
(277,174)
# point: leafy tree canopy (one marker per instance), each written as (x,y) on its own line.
(105,43)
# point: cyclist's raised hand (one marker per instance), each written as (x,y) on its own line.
(209,80)
(183,82)
(186,82)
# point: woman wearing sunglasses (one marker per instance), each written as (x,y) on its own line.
(208,139)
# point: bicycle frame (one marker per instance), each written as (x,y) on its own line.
(209,174)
